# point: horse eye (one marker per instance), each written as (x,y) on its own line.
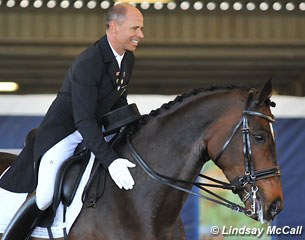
(259,138)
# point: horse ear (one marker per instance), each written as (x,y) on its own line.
(250,97)
(265,93)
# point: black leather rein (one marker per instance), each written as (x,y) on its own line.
(250,177)
(172,182)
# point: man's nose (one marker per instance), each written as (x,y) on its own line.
(140,33)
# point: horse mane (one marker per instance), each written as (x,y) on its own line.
(179,98)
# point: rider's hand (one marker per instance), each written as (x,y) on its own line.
(120,174)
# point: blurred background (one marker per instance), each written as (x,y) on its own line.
(188,44)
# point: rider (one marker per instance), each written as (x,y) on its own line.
(95,84)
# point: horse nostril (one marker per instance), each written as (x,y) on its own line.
(275,208)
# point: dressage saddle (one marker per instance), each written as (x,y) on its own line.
(71,172)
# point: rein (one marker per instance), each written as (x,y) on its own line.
(239,184)
(171,182)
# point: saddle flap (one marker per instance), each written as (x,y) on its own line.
(66,184)
(69,177)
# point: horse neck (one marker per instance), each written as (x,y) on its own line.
(172,144)
(172,140)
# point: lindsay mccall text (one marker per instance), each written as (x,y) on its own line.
(257,232)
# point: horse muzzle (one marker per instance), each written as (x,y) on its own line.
(274,209)
(260,210)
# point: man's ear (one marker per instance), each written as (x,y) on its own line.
(112,26)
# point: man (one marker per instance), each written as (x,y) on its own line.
(95,84)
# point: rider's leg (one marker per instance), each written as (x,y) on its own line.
(27,217)
(49,166)
(24,221)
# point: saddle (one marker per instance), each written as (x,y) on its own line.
(67,181)
(71,172)
(69,176)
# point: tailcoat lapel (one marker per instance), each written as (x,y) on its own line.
(109,59)
(119,77)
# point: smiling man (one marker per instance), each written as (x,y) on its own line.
(124,26)
(95,84)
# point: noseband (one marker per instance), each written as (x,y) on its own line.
(250,175)
(239,184)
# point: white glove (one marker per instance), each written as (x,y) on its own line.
(120,174)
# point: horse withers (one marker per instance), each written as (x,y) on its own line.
(229,125)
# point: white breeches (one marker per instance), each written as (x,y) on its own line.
(50,163)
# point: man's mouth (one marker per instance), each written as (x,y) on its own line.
(136,42)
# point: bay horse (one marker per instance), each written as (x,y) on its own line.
(228,125)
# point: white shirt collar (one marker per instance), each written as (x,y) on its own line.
(118,57)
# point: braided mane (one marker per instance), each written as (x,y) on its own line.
(143,120)
(166,106)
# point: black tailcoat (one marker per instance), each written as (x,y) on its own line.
(92,87)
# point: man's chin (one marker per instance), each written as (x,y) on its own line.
(132,48)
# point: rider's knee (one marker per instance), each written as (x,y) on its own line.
(43,201)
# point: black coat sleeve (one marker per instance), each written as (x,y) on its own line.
(87,74)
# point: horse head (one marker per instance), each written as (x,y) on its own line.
(247,154)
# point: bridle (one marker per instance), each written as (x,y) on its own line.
(239,184)
(250,175)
